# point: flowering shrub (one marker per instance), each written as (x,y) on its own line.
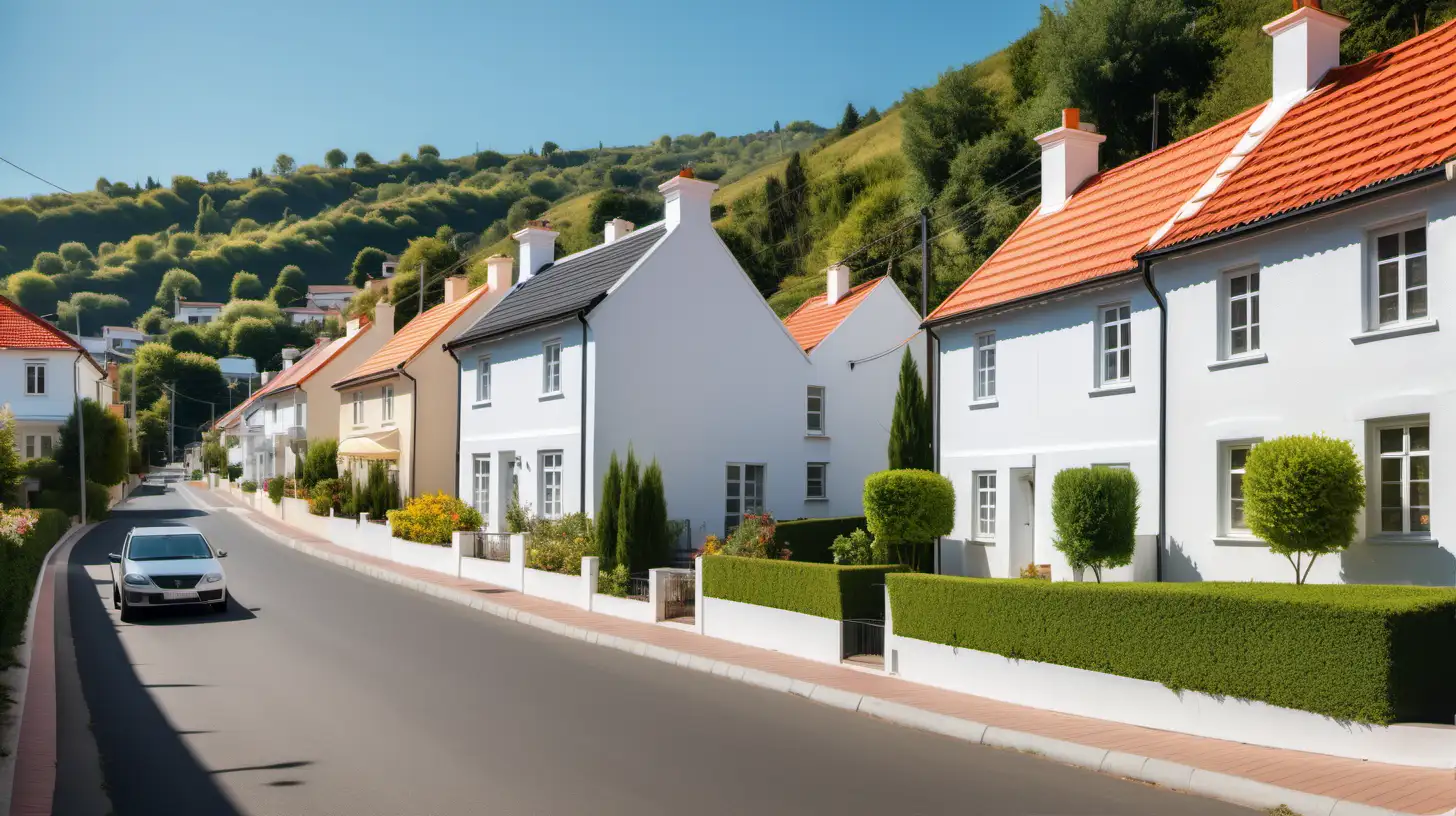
(712,545)
(16,523)
(325,496)
(430,519)
(275,489)
(754,538)
(249,486)
(558,545)
(615,581)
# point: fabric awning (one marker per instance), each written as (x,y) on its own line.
(381,445)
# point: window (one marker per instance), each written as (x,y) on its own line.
(29,447)
(45,446)
(1405,478)
(482,486)
(1116,343)
(273,413)
(985,506)
(551,367)
(745,494)
(358,407)
(815,424)
(482,379)
(1243,313)
(35,378)
(386,398)
(986,366)
(816,486)
(1235,455)
(1400,277)
(551,484)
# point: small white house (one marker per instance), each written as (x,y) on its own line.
(41,370)
(329,297)
(196,312)
(657,339)
(304,315)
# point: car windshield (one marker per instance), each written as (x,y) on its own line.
(166,547)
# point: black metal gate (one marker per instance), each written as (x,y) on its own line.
(863,637)
(679,600)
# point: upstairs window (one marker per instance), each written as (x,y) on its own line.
(482,379)
(386,397)
(35,378)
(815,421)
(986,366)
(358,407)
(1399,277)
(1115,344)
(1242,317)
(551,367)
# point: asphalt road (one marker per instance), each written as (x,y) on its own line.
(325,692)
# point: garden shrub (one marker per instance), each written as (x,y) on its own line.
(812,539)
(381,493)
(558,545)
(906,509)
(754,538)
(823,590)
(430,519)
(234,472)
(196,475)
(249,486)
(1095,513)
(320,462)
(1302,494)
(325,496)
(21,555)
(860,549)
(275,489)
(1374,654)
(68,500)
(615,581)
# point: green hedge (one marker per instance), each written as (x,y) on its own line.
(19,568)
(825,590)
(809,539)
(1375,654)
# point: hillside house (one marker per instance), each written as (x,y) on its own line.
(41,371)
(329,297)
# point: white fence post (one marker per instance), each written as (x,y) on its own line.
(656,596)
(891,657)
(699,605)
(590,568)
(456,545)
(518,560)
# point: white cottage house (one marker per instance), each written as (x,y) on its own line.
(41,370)
(1284,255)
(657,339)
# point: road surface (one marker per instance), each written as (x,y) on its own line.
(326,692)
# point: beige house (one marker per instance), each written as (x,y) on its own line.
(379,416)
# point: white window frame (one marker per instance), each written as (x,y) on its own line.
(1401,266)
(822,480)
(983,486)
(386,403)
(480,482)
(30,446)
(985,371)
(36,378)
(1122,352)
(744,502)
(273,414)
(551,368)
(552,485)
(812,414)
(1378,481)
(1226,498)
(482,379)
(358,405)
(1229,303)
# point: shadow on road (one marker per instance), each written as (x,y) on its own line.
(147,767)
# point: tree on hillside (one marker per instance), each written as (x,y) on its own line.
(1376,25)
(208,219)
(547,148)
(486,159)
(245,286)
(50,264)
(367,264)
(284,165)
(849,122)
(956,111)
(664,142)
(96,310)
(910,427)
(335,158)
(183,337)
(362,159)
(437,255)
(639,209)
(153,320)
(34,291)
(871,116)
(177,283)
(217,177)
(290,287)
(427,150)
(256,338)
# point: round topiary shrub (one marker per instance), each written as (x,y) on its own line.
(1302,494)
(905,509)
(1095,512)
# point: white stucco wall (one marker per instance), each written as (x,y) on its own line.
(795,633)
(1316,380)
(1047,416)
(59,400)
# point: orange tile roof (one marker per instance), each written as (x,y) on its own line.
(1384,117)
(815,318)
(1105,223)
(20,329)
(415,337)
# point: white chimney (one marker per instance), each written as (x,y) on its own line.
(498,273)
(384,318)
(1306,46)
(688,200)
(267,375)
(618,228)
(351,327)
(290,354)
(838,283)
(538,247)
(456,287)
(1068,158)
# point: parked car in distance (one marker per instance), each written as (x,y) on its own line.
(167,566)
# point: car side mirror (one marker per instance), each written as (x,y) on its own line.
(222,553)
(115,557)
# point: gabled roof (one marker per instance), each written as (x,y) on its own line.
(561,289)
(198,304)
(331,288)
(414,338)
(1104,224)
(20,329)
(816,317)
(1385,117)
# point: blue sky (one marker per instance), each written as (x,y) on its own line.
(131,88)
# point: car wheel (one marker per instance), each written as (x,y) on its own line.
(115,597)
(128,613)
(221,606)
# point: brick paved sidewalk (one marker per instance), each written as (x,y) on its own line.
(1393,787)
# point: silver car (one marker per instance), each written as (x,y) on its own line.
(167,566)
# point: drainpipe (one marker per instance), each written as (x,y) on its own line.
(415,427)
(1146,267)
(581,502)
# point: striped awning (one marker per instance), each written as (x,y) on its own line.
(381,445)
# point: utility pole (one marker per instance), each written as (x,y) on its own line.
(134,442)
(171,421)
(422,289)
(1155,120)
(925,278)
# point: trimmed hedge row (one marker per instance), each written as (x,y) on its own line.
(824,590)
(1374,654)
(809,539)
(19,569)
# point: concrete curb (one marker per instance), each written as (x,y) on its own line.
(17,677)
(1174,776)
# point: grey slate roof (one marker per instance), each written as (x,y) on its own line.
(562,289)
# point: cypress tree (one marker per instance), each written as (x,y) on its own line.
(850,122)
(607,515)
(910,423)
(652,545)
(627,512)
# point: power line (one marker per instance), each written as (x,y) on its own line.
(34,176)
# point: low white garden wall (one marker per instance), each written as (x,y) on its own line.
(640,611)
(567,589)
(793,633)
(508,574)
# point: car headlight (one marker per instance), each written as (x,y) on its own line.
(136,579)
(212,578)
